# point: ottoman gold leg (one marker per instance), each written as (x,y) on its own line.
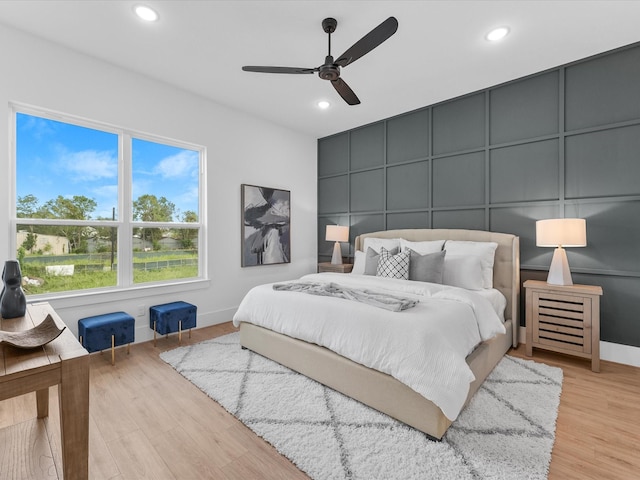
(113,349)
(81,341)
(189,333)
(180,331)
(154,333)
(128,348)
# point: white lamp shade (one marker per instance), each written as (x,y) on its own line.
(561,232)
(566,232)
(336,233)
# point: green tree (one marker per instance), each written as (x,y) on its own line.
(27,206)
(105,237)
(77,207)
(21,254)
(149,208)
(186,236)
(30,241)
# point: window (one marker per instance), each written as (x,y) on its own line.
(98,207)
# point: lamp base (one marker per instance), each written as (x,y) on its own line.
(559,273)
(337,255)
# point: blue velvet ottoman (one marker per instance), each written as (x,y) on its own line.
(106,331)
(172,317)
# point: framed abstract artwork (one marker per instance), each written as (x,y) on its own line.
(266,222)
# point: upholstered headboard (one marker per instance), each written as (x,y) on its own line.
(506,267)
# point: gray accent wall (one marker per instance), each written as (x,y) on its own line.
(561,143)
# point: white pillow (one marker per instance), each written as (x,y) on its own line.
(484,251)
(376,243)
(423,248)
(358,263)
(393,266)
(464,271)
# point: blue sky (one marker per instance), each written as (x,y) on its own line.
(55,158)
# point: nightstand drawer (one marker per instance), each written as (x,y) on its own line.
(562,321)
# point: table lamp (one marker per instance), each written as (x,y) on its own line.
(336,233)
(559,233)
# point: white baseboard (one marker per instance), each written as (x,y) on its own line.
(612,352)
(616,352)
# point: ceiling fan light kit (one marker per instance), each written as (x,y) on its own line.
(330,69)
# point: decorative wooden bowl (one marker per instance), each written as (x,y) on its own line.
(35,337)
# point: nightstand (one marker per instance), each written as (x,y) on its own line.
(330,267)
(564,318)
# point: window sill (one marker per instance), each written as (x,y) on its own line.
(138,292)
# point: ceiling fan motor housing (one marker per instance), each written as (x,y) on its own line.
(329,71)
(329,25)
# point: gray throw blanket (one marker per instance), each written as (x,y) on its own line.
(381,300)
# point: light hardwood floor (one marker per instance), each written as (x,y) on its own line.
(149,422)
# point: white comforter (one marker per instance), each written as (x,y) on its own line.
(424,347)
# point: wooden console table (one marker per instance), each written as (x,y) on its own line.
(62,362)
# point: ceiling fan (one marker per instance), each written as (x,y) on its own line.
(330,69)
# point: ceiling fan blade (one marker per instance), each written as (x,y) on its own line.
(279,69)
(370,41)
(345,91)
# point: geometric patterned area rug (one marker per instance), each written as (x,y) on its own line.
(506,432)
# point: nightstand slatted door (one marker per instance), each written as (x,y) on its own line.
(564,318)
(562,321)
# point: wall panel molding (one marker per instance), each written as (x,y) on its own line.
(564,142)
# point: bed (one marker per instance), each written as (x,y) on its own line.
(382,391)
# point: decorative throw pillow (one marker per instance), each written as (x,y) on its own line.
(372,259)
(393,266)
(426,268)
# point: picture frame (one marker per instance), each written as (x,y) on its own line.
(266,225)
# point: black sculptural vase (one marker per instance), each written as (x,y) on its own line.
(13,303)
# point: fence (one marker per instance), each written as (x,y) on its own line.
(96,262)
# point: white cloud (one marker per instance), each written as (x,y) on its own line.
(189,199)
(182,164)
(39,128)
(107,197)
(88,165)
(107,191)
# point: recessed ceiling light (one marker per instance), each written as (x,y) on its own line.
(323,105)
(146,13)
(497,34)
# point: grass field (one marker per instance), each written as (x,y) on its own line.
(89,274)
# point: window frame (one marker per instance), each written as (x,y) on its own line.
(124,223)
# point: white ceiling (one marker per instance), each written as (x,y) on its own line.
(438,52)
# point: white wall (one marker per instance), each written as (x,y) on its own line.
(240,146)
